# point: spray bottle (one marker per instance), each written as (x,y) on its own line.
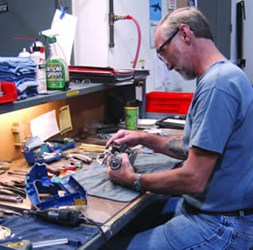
(57,73)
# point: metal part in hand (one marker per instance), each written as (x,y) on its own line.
(115,162)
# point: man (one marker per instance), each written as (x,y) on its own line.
(216,179)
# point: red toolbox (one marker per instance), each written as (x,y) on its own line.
(9,92)
(168,102)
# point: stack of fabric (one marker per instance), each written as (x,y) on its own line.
(21,71)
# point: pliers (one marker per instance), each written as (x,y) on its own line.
(10,197)
(12,187)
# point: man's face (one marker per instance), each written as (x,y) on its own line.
(175,53)
(183,61)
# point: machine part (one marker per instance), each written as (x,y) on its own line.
(115,151)
(5,232)
(115,162)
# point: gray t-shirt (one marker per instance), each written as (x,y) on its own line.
(220,120)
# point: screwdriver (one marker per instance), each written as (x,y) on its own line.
(28,245)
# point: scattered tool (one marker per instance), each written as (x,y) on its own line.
(28,245)
(80,157)
(11,190)
(92,147)
(16,173)
(11,198)
(5,232)
(59,193)
(64,217)
(4,166)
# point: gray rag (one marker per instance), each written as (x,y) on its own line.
(95,180)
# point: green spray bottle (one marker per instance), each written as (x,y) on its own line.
(57,72)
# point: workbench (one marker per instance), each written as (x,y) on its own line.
(112,216)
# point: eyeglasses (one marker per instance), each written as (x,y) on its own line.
(165,43)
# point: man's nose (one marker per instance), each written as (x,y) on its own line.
(169,66)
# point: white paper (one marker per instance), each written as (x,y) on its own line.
(66,28)
(45,126)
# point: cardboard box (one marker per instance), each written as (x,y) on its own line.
(182,3)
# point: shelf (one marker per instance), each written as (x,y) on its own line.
(55,95)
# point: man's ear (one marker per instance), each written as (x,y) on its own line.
(185,33)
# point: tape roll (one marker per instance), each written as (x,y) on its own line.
(5,232)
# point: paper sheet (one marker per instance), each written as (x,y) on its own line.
(66,27)
(65,119)
(45,126)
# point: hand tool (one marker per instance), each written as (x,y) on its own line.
(17,184)
(64,217)
(4,212)
(80,157)
(11,198)
(28,245)
(12,190)
(16,173)
(51,170)
(91,147)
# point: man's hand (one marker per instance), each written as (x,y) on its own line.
(124,175)
(129,137)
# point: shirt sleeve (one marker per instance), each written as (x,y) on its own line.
(213,118)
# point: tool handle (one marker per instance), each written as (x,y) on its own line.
(65,217)
(19,245)
(53,171)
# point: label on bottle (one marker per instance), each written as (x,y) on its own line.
(56,74)
(41,78)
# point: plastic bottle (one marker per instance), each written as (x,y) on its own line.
(57,72)
(24,53)
(38,55)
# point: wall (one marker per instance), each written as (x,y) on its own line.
(92,39)
(92,42)
(85,111)
(248,39)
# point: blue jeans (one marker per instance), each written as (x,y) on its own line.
(191,231)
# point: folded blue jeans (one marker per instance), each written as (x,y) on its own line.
(198,231)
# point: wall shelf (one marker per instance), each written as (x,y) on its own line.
(54,95)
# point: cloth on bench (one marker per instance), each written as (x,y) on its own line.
(95,179)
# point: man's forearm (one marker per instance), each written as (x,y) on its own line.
(169,145)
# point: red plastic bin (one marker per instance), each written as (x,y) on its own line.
(168,102)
